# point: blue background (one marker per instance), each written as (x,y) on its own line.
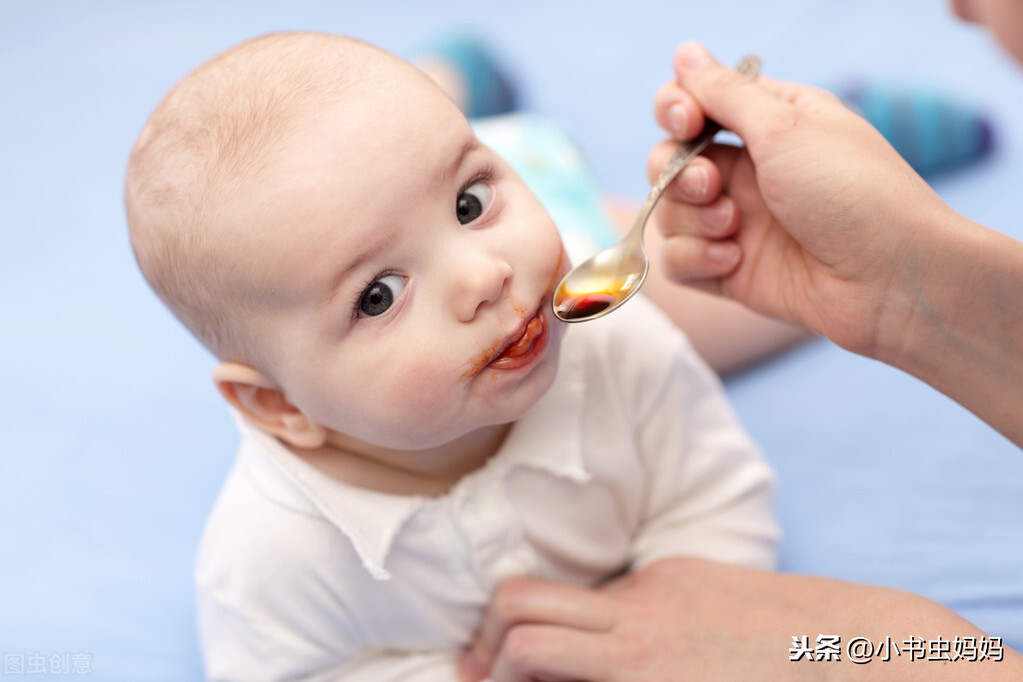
(116,441)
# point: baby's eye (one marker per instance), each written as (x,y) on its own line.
(379,295)
(472,202)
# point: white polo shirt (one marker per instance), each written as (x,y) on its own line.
(633,455)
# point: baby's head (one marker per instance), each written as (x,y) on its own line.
(324,220)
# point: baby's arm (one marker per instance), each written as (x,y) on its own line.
(711,492)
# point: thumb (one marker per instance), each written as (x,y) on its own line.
(733,100)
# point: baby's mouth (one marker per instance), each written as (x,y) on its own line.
(530,333)
(520,349)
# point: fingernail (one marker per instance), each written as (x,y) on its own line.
(694,181)
(718,216)
(677,118)
(470,668)
(694,56)
(723,253)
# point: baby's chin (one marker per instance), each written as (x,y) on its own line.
(504,414)
(539,381)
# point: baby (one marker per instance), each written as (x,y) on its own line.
(416,425)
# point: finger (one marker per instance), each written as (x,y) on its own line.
(699,262)
(736,102)
(720,160)
(717,220)
(530,600)
(698,183)
(677,112)
(554,654)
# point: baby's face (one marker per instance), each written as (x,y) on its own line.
(409,271)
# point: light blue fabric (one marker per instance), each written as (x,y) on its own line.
(488,90)
(548,160)
(116,442)
(934,132)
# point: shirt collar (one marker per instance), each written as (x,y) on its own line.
(548,438)
(369,519)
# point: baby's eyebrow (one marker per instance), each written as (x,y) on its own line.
(353,265)
(384,240)
(469,147)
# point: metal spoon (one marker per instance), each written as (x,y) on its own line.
(611,277)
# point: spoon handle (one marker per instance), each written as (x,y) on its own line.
(686,152)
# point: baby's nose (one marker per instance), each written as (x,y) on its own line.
(478,284)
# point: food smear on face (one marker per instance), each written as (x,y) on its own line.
(519,352)
(525,342)
(477,364)
(585,305)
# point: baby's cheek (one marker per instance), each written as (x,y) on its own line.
(557,258)
(421,387)
(407,409)
(562,265)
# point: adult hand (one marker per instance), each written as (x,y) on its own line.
(681,619)
(813,221)
(819,222)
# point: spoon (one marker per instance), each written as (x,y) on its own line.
(611,277)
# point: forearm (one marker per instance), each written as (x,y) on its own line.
(889,634)
(956,322)
(737,620)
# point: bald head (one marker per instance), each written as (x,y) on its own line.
(214,134)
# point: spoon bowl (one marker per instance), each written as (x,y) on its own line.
(611,277)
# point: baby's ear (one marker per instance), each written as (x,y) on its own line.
(264,404)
